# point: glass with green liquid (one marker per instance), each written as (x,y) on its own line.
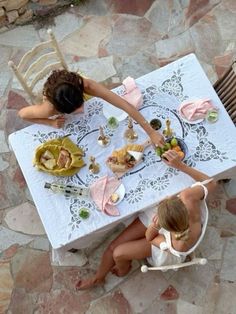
(112,123)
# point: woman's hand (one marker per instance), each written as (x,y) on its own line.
(58,122)
(172,159)
(157,139)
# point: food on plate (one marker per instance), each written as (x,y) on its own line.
(47,155)
(126,157)
(59,156)
(64,159)
(48,160)
(50,163)
(114,198)
(173,144)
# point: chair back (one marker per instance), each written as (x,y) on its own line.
(37,63)
(189,257)
(225,88)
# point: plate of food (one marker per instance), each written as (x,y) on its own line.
(110,111)
(117,196)
(174,143)
(60,157)
(126,158)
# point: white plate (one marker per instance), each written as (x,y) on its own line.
(121,192)
(186,120)
(111,111)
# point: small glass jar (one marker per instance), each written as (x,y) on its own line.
(155,124)
(84,213)
(112,123)
(212,115)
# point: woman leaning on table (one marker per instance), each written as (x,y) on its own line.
(165,237)
(65,92)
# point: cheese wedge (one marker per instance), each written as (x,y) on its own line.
(137,155)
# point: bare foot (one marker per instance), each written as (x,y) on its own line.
(120,272)
(89,283)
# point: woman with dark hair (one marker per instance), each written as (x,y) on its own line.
(164,235)
(65,92)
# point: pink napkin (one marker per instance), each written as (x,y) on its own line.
(101,191)
(195,109)
(132,93)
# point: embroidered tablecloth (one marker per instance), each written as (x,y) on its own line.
(211,149)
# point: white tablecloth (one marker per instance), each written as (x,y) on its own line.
(211,149)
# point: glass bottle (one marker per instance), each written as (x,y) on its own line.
(130,135)
(67,190)
(103,140)
(93,167)
(168,131)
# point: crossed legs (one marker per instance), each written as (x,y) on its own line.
(130,244)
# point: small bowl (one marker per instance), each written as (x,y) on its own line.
(112,123)
(155,124)
(212,115)
(84,213)
(181,144)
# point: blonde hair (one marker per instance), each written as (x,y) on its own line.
(173,216)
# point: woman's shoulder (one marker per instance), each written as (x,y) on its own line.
(192,194)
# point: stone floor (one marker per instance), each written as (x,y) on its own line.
(109,40)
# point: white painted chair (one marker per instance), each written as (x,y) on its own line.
(190,259)
(37,63)
(193,261)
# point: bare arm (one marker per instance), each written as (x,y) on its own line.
(174,161)
(40,114)
(95,89)
(151,232)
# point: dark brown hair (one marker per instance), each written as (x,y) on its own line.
(64,90)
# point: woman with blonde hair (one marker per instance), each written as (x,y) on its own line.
(164,235)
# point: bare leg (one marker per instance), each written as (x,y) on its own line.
(136,230)
(126,252)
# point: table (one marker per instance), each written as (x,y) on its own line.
(211,149)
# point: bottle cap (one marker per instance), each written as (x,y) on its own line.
(47,185)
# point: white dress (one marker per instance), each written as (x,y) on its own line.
(170,255)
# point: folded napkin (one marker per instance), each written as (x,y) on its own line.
(101,191)
(132,93)
(195,109)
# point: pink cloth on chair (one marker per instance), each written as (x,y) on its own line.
(101,191)
(195,109)
(132,93)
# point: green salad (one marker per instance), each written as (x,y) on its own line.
(113,122)
(84,213)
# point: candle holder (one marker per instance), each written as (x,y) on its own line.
(130,135)
(168,132)
(103,140)
(93,166)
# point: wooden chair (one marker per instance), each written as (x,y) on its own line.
(225,87)
(37,63)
